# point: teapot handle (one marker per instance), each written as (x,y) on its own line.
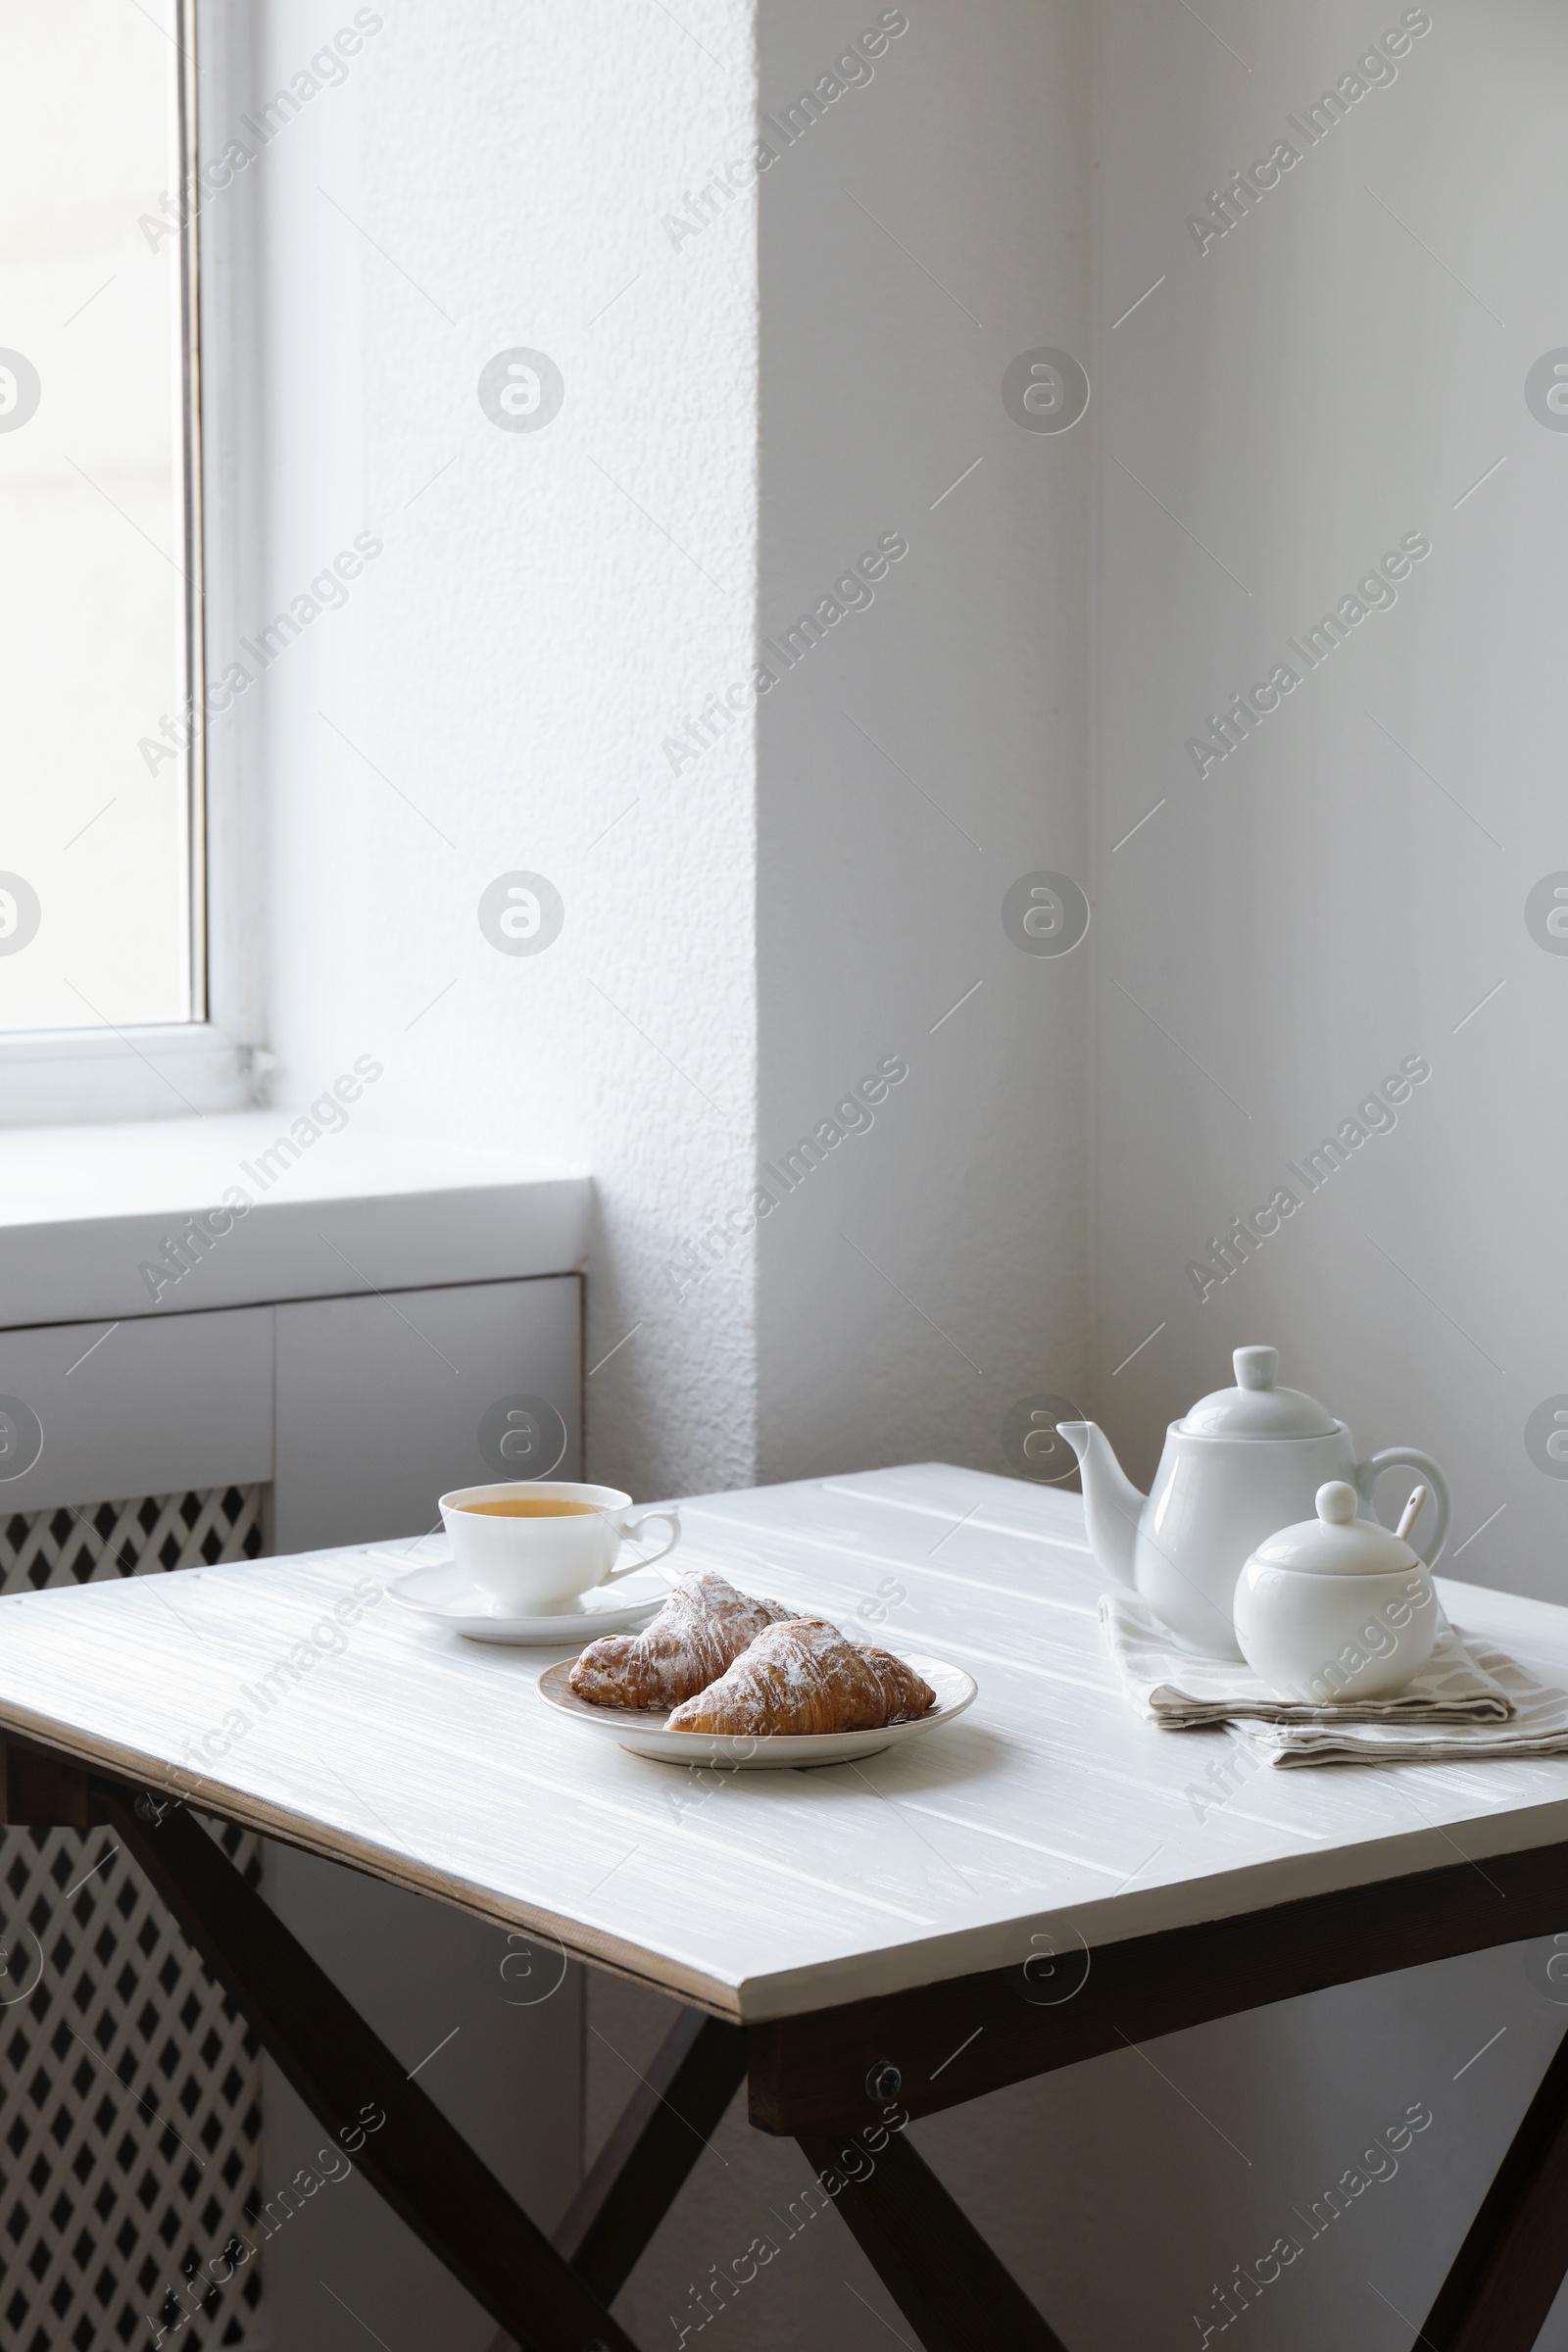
(1408,1457)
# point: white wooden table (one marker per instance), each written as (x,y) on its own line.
(1042,1880)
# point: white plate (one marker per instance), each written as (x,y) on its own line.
(448,1595)
(641,1730)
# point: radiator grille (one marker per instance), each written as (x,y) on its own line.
(70,1547)
(130,2113)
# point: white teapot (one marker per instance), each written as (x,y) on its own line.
(1243,1463)
(1337,1608)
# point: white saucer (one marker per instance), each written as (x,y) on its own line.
(641,1730)
(448,1595)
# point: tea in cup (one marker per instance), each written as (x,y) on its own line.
(536,1544)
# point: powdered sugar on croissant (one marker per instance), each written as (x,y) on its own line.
(701,1628)
(805,1675)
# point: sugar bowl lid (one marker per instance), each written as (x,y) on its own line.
(1336,1543)
(1255,1407)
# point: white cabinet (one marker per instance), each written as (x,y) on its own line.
(383,1403)
(146,1406)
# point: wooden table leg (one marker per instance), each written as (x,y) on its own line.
(349,2078)
(638,2174)
(632,2185)
(929,2255)
(1506,2274)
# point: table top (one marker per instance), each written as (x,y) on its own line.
(1049,1807)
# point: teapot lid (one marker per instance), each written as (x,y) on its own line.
(1255,1407)
(1336,1543)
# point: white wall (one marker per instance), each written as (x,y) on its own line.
(517,660)
(1320,905)
(935,746)
(513,661)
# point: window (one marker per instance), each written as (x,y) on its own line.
(103,806)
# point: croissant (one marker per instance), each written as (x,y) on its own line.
(703,1627)
(805,1675)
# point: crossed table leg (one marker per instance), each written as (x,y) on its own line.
(812,2077)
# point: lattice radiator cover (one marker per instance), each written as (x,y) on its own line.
(130,2090)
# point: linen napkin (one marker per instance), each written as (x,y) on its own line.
(1471,1701)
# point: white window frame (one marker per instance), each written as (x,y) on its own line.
(170,1070)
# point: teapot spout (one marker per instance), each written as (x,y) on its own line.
(1111,1503)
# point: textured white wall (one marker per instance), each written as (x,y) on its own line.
(520,661)
(549,605)
(1336,895)
(932,225)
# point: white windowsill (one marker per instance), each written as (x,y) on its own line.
(82,1208)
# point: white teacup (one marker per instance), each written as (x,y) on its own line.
(536,1543)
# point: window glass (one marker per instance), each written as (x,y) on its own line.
(99,848)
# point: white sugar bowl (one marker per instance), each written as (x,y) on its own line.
(1337,1608)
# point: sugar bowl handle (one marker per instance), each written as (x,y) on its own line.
(1408,1457)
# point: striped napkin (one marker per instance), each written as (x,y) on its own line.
(1470,1702)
